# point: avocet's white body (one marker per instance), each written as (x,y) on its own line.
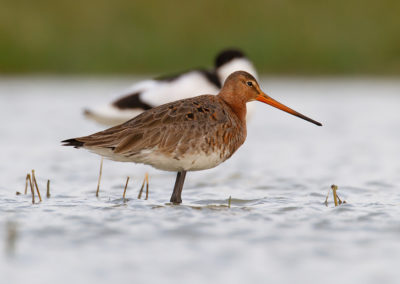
(150,93)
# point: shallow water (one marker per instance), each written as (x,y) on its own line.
(277,229)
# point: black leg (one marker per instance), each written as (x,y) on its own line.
(176,194)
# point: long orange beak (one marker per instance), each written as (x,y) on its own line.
(268,100)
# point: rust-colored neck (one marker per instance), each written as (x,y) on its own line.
(236,102)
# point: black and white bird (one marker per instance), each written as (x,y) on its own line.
(147,94)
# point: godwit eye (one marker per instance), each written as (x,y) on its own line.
(250,84)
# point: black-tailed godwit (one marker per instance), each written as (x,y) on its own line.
(192,134)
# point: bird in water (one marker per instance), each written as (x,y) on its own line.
(192,134)
(147,94)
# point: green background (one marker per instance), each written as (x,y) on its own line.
(153,36)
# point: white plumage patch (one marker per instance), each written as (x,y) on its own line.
(188,85)
(187,162)
(166,162)
(110,115)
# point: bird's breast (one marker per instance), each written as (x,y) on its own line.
(189,161)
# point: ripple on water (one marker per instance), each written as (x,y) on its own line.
(277,219)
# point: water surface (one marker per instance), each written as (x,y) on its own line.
(277,230)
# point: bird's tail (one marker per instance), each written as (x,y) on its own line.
(73,142)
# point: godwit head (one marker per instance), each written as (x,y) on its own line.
(241,87)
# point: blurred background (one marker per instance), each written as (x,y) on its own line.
(337,62)
(155,36)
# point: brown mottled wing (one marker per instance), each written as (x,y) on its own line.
(175,127)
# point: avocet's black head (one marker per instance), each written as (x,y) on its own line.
(228,55)
(231,60)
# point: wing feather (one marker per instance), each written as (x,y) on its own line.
(174,126)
